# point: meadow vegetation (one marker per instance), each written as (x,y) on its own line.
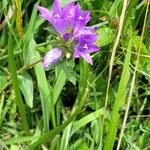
(73,105)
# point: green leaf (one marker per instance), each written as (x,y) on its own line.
(78,145)
(106,36)
(26,86)
(5,2)
(137,43)
(61,79)
(144,60)
(3,79)
(70,73)
(29,43)
(44,92)
(29,51)
(14,147)
(19,139)
(85,120)
(119,101)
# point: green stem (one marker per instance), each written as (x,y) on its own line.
(119,102)
(49,135)
(84,72)
(13,70)
(52,108)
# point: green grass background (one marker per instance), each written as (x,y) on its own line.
(73,105)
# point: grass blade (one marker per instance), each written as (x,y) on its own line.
(49,135)
(119,101)
(13,70)
(44,92)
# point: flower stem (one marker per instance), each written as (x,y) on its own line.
(84,72)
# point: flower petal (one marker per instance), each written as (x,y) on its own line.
(45,13)
(60,25)
(92,48)
(57,9)
(85,35)
(83,19)
(68,11)
(76,53)
(87,57)
(77,11)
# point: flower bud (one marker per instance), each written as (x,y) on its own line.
(68,55)
(52,57)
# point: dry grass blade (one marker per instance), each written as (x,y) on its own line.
(8,17)
(115,47)
(132,83)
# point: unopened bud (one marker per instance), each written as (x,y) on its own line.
(52,57)
(68,55)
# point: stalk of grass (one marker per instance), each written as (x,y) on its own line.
(115,48)
(20,139)
(119,102)
(65,137)
(112,59)
(52,107)
(13,70)
(133,81)
(113,8)
(49,135)
(19,18)
(1,106)
(3,145)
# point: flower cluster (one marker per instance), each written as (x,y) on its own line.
(70,22)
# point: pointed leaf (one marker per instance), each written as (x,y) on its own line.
(26,86)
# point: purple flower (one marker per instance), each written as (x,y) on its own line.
(86,39)
(80,17)
(52,57)
(59,17)
(65,19)
(70,22)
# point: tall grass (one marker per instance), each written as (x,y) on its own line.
(74,105)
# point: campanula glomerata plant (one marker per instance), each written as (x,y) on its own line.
(70,23)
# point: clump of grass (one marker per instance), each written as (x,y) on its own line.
(109,106)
